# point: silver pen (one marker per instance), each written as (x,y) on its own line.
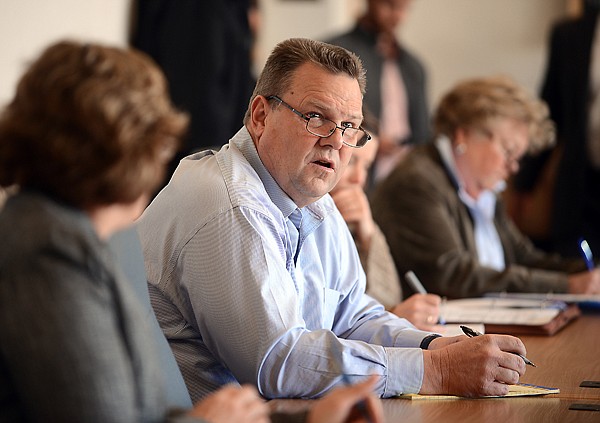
(414,282)
(418,287)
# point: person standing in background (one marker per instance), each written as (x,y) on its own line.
(396,93)
(571,88)
(204,48)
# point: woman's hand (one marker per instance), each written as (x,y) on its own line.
(422,310)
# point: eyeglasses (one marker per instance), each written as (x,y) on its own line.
(323,127)
(511,154)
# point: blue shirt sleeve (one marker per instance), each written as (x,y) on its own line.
(272,321)
(277,304)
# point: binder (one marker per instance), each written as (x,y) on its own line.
(512,316)
(562,319)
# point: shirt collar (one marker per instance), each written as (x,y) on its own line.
(444,147)
(319,209)
(486,203)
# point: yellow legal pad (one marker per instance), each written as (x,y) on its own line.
(520,390)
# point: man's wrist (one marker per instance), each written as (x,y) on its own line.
(427,340)
(432,373)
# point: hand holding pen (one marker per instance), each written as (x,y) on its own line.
(483,366)
(473,333)
(422,309)
(587,282)
(586,253)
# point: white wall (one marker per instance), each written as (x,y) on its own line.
(455,38)
(463,38)
(27,26)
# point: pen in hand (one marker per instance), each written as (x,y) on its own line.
(586,252)
(414,282)
(473,333)
(418,287)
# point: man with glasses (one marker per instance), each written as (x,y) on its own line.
(253,273)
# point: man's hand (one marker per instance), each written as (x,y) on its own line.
(472,367)
(340,405)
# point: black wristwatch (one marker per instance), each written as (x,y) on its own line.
(427,340)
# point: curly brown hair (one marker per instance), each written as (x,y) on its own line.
(90,125)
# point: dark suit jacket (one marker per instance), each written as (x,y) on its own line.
(204,49)
(363,43)
(430,231)
(566,90)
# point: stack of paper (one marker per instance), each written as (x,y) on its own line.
(453,329)
(516,316)
(500,311)
(587,301)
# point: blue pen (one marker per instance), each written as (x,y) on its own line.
(586,252)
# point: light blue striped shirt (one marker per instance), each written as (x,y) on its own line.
(280,304)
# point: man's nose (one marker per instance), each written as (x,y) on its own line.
(335,140)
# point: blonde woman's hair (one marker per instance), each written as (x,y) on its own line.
(474,103)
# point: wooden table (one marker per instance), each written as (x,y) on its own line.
(567,358)
(563,360)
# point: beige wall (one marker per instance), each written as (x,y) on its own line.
(463,38)
(455,38)
(27,26)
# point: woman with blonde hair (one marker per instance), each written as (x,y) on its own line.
(440,209)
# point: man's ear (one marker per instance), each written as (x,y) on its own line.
(259,109)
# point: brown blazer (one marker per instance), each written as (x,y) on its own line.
(430,231)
